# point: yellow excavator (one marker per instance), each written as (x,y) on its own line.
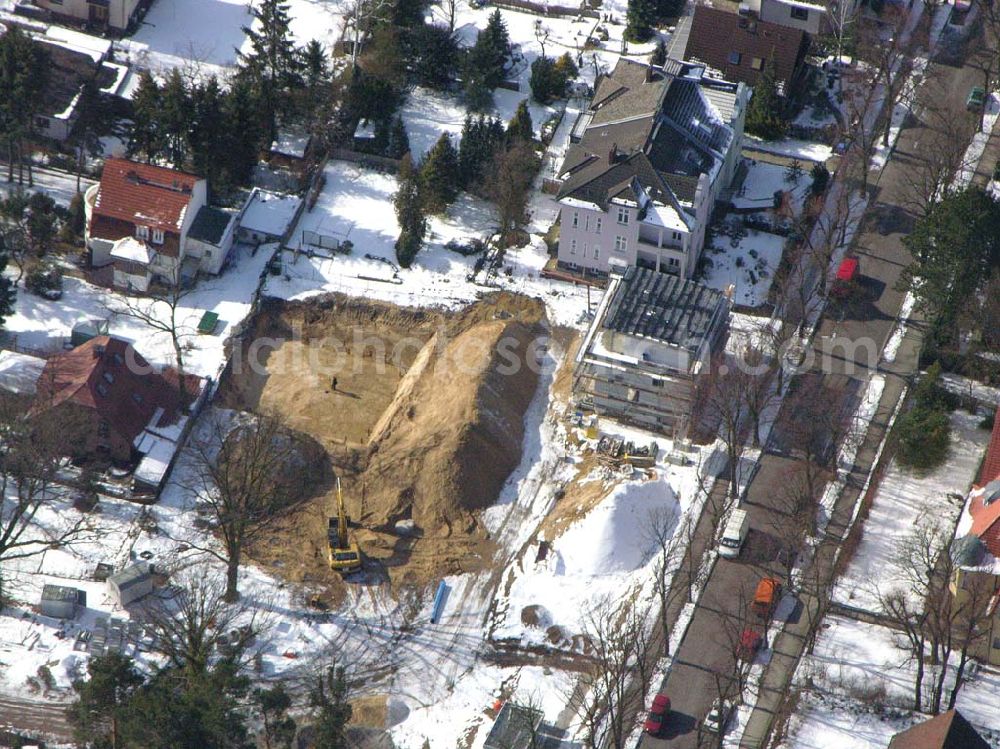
(345,556)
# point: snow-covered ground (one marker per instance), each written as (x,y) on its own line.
(42,324)
(853,659)
(749,266)
(905,500)
(974,153)
(356,204)
(764,179)
(803,150)
(60,187)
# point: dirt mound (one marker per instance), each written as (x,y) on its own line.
(453,435)
(425,424)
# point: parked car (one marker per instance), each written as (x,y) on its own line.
(656,720)
(735,534)
(718,716)
(766,597)
(846,280)
(976,100)
(749,644)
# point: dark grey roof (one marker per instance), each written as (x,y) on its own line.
(137,573)
(521,727)
(663,307)
(650,123)
(209,225)
(59,593)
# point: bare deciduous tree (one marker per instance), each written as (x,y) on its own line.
(162,313)
(248,473)
(33,447)
(198,626)
(608,699)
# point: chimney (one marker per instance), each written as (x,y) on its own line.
(649,73)
(613,154)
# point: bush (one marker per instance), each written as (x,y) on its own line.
(923,434)
(472,247)
(44,280)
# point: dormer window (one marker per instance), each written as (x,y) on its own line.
(109,377)
(102,389)
(157,236)
(137,397)
(142,232)
(799,14)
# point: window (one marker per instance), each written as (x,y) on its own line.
(597,229)
(622,214)
(800,14)
(142,232)
(103,429)
(734,58)
(673,262)
(208,254)
(657,383)
(597,252)
(585,249)
(996,643)
(586,223)
(757,63)
(572,247)
(677,235)
(621,244)
(157,236)
(576,219)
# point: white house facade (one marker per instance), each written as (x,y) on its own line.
(651,156)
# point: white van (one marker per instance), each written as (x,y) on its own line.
(735,534)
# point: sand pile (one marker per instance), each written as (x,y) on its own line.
(453,435)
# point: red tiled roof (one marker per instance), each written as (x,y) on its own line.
(991,463)
(986,518)
(715,34)
(144,194)
(107,375)
(948,730)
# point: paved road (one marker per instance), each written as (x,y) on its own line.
(707,650)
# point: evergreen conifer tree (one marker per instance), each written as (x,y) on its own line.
(408,204)
(439,176)
(146,136)
(639,20)
(520,126)
(764,112)
(272,62)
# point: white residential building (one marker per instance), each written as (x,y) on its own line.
(649,159)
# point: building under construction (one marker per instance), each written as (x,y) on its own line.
(648,349)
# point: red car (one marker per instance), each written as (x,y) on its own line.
(750,643)
(657,718)
(846,280)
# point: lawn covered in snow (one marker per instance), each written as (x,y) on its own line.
(356,204)
(904,500)
(853,659)
(43,324)
(747,263)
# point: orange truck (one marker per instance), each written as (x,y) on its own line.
(766,597)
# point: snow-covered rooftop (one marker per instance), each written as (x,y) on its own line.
(132,249)
(19,373)
(269,213)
